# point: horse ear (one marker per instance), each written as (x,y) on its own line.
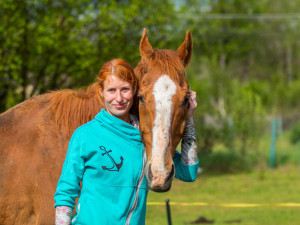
(185,49)
(145,46)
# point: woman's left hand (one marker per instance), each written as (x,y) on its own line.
(192,103)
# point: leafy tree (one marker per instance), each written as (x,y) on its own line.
(51,44)
(40,47)
(248,54)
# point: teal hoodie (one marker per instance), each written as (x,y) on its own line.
(107,156)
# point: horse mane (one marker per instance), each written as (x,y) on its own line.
(162,62)
(73,108)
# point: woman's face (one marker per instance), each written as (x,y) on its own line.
(118,97)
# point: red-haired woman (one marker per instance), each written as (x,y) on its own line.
(104,155)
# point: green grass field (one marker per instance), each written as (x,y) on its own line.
(274,186)
(261,185)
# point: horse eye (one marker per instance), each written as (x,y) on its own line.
(185,101)
(141,98)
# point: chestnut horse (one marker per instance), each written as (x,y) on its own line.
(34,135)
(163,105)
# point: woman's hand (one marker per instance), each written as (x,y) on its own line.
(192,103)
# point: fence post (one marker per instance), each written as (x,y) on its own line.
(279,126)
(168,212)
(273,144)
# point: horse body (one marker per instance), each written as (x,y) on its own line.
(34,135)
(27,161)
(33,148)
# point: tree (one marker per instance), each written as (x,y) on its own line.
(248,52)
(46,45)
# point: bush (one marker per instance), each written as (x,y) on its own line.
(247,115)
(295,133)
(226,162)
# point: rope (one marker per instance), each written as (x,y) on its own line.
(237,205)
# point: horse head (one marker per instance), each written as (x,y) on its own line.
(163,105)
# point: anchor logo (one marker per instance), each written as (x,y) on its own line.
(116,166)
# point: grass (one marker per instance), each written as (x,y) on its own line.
(259,185)
(279,185)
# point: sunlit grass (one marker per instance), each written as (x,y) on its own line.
(279,185)
(258,185)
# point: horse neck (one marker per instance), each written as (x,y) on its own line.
(74,108)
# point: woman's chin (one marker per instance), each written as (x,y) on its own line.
(118,112)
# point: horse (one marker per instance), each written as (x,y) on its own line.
(34,135)
(163,96)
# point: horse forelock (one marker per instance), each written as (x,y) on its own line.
(73,108)
(162,62)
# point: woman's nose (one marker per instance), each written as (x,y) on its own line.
(119,96)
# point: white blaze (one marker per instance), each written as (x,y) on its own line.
(163,91)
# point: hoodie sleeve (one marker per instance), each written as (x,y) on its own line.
(187,173)
(68,186)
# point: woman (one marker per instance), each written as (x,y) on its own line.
(99,149)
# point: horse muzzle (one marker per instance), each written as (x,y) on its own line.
(158,181)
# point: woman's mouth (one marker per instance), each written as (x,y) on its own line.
(120,106)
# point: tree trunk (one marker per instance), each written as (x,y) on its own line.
(24,52)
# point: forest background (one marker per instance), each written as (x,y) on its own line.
(245,66)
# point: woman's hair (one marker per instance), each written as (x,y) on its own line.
(121,69)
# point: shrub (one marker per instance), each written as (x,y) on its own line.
(226,162)
(295,133)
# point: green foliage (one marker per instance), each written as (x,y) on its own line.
(230,113)
(46,45)
(248,115)
(245,64)
(295,133)
(222,161)
(226,162)
(248,70)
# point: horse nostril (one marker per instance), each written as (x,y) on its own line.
(171,175)
(150,175)
(173,170)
